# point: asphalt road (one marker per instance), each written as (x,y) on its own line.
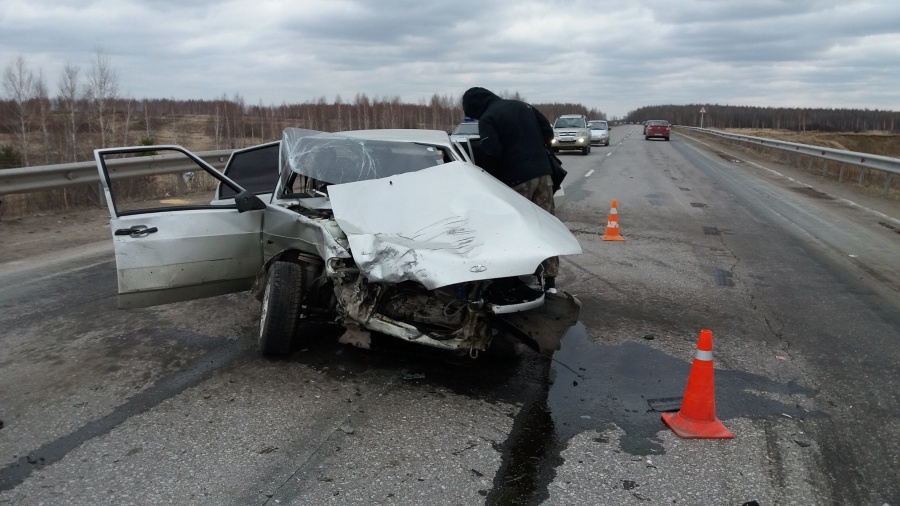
(800,287)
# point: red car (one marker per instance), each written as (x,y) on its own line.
(657,128)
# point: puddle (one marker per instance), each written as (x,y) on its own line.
(811,192)
(595,387)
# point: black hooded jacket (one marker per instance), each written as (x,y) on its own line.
(513,134)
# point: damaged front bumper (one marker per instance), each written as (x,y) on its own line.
(471,324)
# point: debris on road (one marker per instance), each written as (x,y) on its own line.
(665,404)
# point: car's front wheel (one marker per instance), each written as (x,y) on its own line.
(585,150)
(280,308)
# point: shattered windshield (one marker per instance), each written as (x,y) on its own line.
(334,159)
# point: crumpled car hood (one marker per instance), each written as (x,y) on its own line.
(447,224)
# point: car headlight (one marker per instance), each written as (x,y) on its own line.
(553,141)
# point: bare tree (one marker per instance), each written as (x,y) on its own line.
(238,111)
(362,105)
(217,121)
(18,81)
(69,91)
(129,110)
(43,107)
(103,86)
(340,120)
(148,133)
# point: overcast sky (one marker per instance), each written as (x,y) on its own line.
(615,56)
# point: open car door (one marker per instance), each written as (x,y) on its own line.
(171,243)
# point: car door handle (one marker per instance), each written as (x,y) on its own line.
(137,231)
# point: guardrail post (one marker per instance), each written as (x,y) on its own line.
(841,173)
(862,175)
(887,185)
(825,169)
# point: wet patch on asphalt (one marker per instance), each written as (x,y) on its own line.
(595,387)
(723,278)
(889,226)
(811,192)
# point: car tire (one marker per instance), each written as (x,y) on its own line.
(646,137)
(667,138)
(280,308)
(585,150)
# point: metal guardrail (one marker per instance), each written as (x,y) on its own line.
(864,160)
(877,162)
(47,177)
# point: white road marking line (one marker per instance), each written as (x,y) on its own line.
(589,173)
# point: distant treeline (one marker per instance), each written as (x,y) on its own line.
(49,130)
(782,118)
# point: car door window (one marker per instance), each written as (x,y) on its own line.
(159,179)
(255,169)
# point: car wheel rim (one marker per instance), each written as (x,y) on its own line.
(263,316)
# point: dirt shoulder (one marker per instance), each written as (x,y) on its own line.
(36,235)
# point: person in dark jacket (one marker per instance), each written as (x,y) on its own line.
(514,141)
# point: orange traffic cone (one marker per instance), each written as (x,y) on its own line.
(697,417)
(612,225)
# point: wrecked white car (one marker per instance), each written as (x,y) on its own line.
(388,231)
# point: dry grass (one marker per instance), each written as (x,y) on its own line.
(193,132)
(875,143)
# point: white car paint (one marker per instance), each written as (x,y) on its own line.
(447,224)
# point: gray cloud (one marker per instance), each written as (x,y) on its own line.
(610,55)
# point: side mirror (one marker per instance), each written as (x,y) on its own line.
(247,201)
